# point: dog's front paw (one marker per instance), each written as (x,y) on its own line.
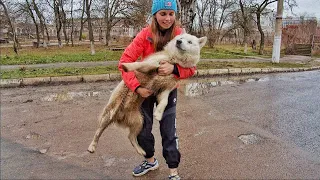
(92,148)
(157,116)
(141,152)
(124,67)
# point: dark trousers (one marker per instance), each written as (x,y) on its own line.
(167,130)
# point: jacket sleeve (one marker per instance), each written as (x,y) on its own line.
(185,73)
(131,54)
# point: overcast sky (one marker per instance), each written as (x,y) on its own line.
(306,7)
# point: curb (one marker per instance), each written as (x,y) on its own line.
(9,83)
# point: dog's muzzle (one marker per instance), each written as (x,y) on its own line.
(178,45)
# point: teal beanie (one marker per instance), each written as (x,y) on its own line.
(157,5)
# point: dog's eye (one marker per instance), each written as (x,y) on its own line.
(190,42)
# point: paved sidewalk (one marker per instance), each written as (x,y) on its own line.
(117,76)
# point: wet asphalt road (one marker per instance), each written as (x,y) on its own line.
(19,162)
(255,127)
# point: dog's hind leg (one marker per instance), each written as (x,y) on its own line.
(149,64)
(135,128)
(104,122)
(162,104)
(143,67)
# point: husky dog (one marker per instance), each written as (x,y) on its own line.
(123,107)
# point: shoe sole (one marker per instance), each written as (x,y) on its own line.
(145,172)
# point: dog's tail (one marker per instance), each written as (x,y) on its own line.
(115,101)
(109,113)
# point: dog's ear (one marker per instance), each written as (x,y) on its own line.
(183,31)
(202,41)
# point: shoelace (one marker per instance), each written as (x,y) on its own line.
(174,177)
(144,163)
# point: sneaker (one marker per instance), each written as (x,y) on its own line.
(175,177)
(145,167)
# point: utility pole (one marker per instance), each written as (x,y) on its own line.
(277,36)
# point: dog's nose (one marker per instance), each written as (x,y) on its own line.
(179,41)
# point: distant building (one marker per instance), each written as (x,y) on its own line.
(299,30)
(296,20)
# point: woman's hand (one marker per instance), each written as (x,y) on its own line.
(165,68)
(144,92)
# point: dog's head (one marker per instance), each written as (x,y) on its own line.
(185,49)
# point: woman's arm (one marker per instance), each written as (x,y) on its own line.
(178,71)
(131,54)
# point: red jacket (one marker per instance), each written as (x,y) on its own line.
(142,46)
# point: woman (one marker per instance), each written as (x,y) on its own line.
(149,40)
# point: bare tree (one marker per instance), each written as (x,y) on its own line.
(39,15)
(213,17)
(201,10)
(41,21)
(187,13)
(72,24)
(115,11)
(57,19)
(11,23)
(244,19)
(29,9)
(227,8)
(259,8)
(140,13)
(88,6)
(208,11)
(41,7)
(63,20)
(82,19)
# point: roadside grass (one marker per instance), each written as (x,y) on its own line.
(232,52)
(71,71)
(81,53)
(53,54)
(53,72)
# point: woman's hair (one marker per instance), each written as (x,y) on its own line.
(159,39)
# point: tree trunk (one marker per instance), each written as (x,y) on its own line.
(72,24)
(82,21)
(35,23)
(108,30)
(47,33)
(261,48)
(57,15)
(64,24)
(245,24)
(88,5)
(16,44)
(107,20)
(187,14)
(42,24)
(245,43)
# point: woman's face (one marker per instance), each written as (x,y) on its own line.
(165,18)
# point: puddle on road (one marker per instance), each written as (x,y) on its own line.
(191,87)
(67,96)
(250,138)
(203,86)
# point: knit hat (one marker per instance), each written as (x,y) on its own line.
(157,5)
